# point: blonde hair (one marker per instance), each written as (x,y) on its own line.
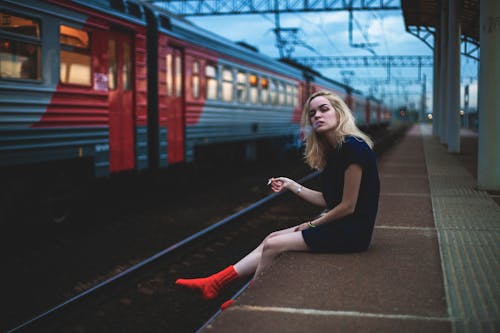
(316,145)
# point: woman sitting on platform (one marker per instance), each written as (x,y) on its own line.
(349,193)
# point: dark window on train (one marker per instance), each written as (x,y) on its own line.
(254,89)
(112,69)
(118,5)
(241,87)
(20,51)
(227,85)
(264,90)
(124,52)
(165,22)
(75,56)
(211,78)
(134,9)
(196,79)
(127,67)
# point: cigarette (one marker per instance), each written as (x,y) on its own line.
(269,181)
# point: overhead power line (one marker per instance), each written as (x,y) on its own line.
(380,81)
(388,62)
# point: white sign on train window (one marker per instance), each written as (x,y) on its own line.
(100,82)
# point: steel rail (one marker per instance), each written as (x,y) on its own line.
(218,312)
(114,278)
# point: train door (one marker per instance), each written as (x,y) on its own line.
(175,104)
(121,102)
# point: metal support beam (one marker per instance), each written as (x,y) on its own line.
(453,111)
(384,81)
(436,83)
(423,101)
(488,169)
(367,46)
(367,61)
(443,73)
(468,46)
(236,7)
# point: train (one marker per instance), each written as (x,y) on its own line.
(94,88)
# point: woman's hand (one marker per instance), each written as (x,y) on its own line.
(302,226)
(280,183)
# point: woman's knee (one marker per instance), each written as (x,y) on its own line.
(284,242)
(279,232)
(271,235)
(270,247)
(266,240)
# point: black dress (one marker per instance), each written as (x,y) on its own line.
(353,232)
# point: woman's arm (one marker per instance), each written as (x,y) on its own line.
(352,182)
(311,196)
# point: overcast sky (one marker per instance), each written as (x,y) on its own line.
(327,34)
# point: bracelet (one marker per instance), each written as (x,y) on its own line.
(311,225)
(299,189)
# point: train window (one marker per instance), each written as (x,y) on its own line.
(169,76)
(134,9)
(254,89)
(178,75)
(281,93)
(295,96)
(112,78)
(75,56)
(196,79)
(289,95)
(241,88)
(127,67)
(273,93)
(211,77)
(20,52)
(19,25)
(165,22)
(118,5)
(74,37)
(19,60)
(227,85)
(264,90)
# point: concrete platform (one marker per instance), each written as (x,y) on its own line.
(432,266)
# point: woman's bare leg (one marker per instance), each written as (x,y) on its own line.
(248,264)
(291,241)
(210,286)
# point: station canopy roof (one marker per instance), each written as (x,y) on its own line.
(426,13)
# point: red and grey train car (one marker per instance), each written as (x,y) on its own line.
(210,92)
(85,95)
(73,94)
(97,87)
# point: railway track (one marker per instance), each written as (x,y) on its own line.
(152,279)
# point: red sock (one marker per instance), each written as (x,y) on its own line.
(210,286)
(226,304)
